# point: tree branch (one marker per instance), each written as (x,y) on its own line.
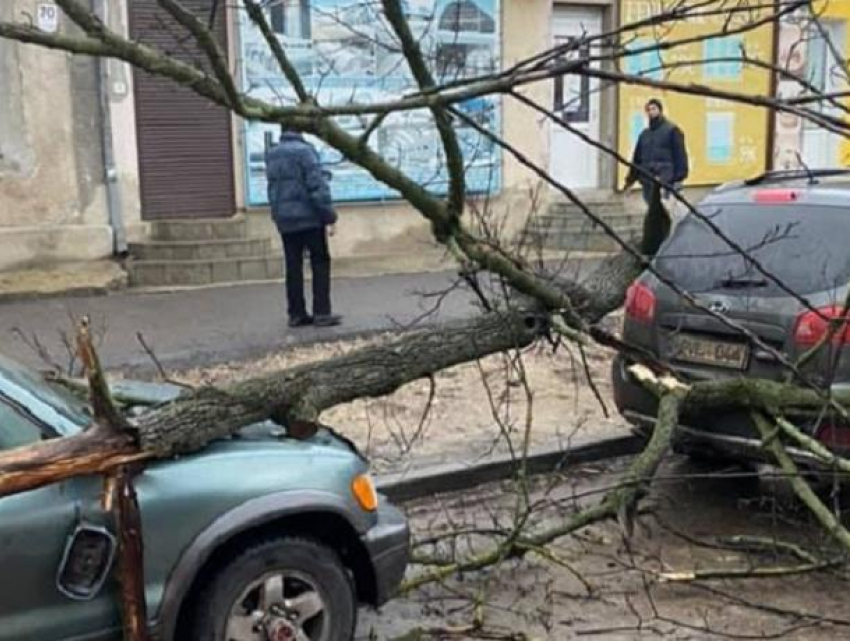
(258,17)
(451,146)
(208,44)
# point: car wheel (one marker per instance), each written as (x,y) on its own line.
(283,589)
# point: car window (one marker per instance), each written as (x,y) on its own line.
(805,247)
(23,381)
(16,429)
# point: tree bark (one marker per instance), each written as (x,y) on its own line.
(294,397)
(299,394)
(131,567)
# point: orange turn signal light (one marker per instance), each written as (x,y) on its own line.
(364,491)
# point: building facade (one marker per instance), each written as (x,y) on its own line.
(818,52)
(58,166)
(93,155)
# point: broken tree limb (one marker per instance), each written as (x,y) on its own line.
(297,394)
(131,567)
(93,451)
(300,394)
(801,488)
(620,503)
(105,411)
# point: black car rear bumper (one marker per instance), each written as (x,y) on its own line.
(388,544)
(731,435)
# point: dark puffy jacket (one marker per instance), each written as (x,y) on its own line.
(661,151)
(298,192)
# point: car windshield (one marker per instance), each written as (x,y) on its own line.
(805,247)
(48,402)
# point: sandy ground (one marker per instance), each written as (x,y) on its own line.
(604,587)
(477,409)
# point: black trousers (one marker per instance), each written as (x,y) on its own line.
(295,244)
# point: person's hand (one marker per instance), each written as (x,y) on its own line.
(332,230)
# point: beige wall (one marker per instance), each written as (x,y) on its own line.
(52,194)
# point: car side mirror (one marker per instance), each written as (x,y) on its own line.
(86,562)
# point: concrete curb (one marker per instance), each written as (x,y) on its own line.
(73,292)
(451,477)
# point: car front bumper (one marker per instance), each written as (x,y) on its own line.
(388,544)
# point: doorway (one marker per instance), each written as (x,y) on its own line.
(576,100)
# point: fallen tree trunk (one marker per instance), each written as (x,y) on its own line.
(293,397)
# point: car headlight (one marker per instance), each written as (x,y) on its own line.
(364,492)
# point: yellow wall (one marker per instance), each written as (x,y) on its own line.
(706,122)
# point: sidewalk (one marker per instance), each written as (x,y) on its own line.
(195,327)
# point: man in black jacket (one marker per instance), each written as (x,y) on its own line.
(660,151)
(303,211)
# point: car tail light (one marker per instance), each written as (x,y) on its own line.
(773,196)
(640,303)
(812,326)
(834,435)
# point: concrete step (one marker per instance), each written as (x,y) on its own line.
(169,273)
(611,206)
(199,229)
(584,224)
(201,250)
(593,242)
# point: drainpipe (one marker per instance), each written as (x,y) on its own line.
(113,186)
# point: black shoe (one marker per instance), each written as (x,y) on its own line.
(300,321)
(327,320)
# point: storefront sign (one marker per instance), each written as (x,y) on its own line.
(346,52)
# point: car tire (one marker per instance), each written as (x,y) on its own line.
(233,600)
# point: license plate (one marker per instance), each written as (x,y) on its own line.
(689,349)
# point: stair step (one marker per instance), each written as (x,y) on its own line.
(202,250)
(199,229)
(163,273)
(567,208)
(558,223)
(594,242)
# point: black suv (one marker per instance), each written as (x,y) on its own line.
(797,226)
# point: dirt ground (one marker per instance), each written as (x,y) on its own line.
(603,587)
(477,409)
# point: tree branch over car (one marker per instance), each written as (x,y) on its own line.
(536,304)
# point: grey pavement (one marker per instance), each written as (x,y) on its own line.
(198,327)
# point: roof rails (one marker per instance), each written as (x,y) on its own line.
(795,174)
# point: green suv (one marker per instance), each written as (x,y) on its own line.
(256,538)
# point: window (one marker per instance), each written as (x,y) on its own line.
(647,63)
(572,91)
(466,16)
(726,52)
(16,429)
(637,123)
(291,18)
(805,247)
(823,71)
(719,137)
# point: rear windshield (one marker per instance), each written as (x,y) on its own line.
(806,247)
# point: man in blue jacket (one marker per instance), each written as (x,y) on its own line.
(660,151)
(303,211)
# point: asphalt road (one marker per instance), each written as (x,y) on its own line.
(197,327)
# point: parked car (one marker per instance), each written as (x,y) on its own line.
(797,226)
(256,537)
